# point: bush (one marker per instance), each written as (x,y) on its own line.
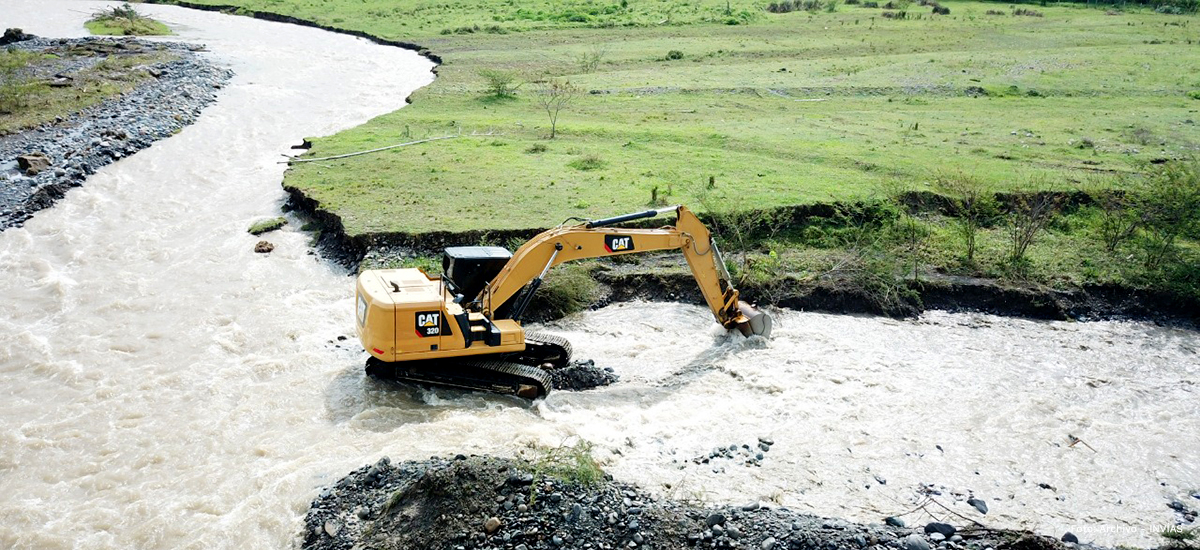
(1169,206)
(124,20)
(567,289)
(588,163)
(499,83)
(674,54)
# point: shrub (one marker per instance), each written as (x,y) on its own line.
(974,207)
(1169,207)
(1026,12)
(536,148)
(588,163)
(941,10)
(125,20)
(499,83)
(674,54)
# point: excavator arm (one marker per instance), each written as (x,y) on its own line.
(509,292)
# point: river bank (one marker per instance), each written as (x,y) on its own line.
(495,503)
(39,165)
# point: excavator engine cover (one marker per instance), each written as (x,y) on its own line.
(470,268)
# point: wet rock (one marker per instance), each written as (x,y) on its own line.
(945,529)
(13,35)
(978,504)
(914,542)
(580,376)
(1070,537)
(264,247)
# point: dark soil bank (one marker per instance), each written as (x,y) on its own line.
(493,503)
(72,148)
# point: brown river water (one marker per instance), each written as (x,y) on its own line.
(165,387)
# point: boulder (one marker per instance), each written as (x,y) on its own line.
(33,163)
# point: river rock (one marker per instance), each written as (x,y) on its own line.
(1070,537)
(14,34)
(491,524)
(715,519)
(894,522)
(33,163)
(914,542)
(264,247)
(978,504)
(945,529)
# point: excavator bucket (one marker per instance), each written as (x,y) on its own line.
(757,323)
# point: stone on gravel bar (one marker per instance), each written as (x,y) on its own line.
(944,528)
(914,542)
(1070,537)
(978,504)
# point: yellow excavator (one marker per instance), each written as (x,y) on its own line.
(463,328)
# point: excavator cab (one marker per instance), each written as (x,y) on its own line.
(468,269)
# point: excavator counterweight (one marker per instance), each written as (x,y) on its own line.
(463,328)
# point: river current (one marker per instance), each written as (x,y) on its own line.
(166,387)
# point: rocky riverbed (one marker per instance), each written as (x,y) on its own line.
(494,503)
(39,165)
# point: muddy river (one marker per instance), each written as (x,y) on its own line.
(166,387)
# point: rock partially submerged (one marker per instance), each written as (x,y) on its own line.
(582,375)
(493,503)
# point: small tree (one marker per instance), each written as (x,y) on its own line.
(590,60)
(1169,204)
(500,83)
(1033,208)
(974,206)
(553,95)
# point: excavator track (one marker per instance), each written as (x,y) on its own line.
(544,350)
(521,374)
(488,375)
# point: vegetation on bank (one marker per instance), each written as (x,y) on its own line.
(35,89)
(124,20)
(748,107)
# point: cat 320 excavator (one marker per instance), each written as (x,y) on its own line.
(463,328)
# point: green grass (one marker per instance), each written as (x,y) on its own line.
(776,109)
(124,20)
(266,226)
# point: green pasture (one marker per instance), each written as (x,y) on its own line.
(776,109)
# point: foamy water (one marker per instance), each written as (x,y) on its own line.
(165,387)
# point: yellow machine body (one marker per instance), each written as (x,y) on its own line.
(405,314)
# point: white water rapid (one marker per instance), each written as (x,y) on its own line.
(165,387)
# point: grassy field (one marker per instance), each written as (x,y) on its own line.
(727,106)
(776,109)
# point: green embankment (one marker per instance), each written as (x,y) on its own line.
(777,109)
(728,106)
